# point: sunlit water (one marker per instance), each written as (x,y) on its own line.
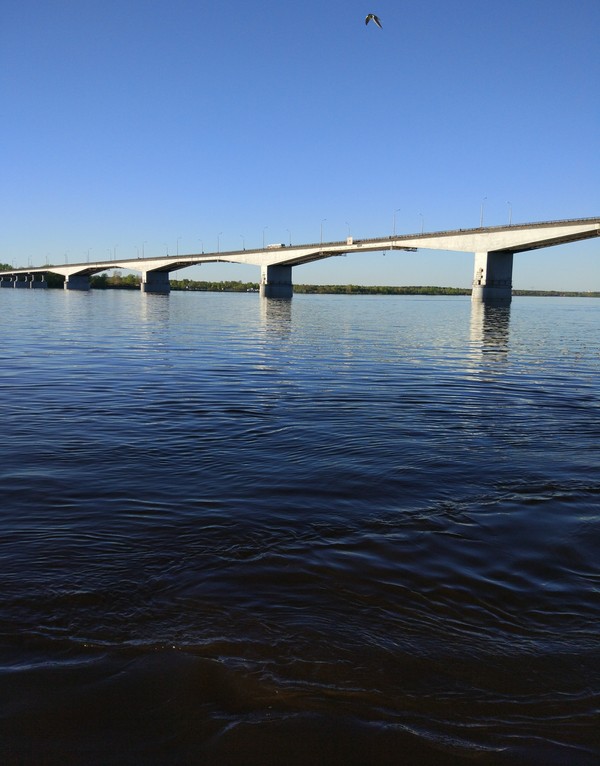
(345,530)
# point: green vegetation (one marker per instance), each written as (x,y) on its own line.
(55,280)
(251,287)
(228,286)
(557,293)
(244,287)
(379,290)
(115,281)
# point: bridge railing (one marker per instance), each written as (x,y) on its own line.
(316,245)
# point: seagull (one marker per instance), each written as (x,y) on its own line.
(373,17)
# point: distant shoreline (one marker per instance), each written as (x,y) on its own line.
(300,289)
(132,282)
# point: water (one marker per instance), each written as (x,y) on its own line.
(349,530)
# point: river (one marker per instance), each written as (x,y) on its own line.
(337,530)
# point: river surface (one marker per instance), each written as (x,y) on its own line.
(337,530)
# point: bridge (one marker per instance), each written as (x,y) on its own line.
(493,248)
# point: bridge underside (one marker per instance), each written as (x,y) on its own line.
(151,282)
(77,282)
(492,280)
(20,281)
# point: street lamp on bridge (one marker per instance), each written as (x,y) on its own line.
(481,215)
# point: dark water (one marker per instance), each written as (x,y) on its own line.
(349,530)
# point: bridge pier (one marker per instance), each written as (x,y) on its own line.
(38,284)
(77,282)
(276,282)
(155,282)
(492,280)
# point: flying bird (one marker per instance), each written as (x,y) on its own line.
(373,17)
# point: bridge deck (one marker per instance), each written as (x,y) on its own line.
(514,238)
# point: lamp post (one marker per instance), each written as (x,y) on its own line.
(322,222)
(219,242)
(143,243)
(290,239)
(178,238)
(422,223)
(167,246)
(481,215)
(509,213)
(394,228)
(201,246)
(264,229)
(243,242)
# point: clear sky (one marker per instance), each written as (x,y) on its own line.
(147,125)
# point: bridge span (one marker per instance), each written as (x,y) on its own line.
(493,248)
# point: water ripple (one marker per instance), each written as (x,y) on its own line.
(328,531)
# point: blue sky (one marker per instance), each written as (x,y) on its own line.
(147,125)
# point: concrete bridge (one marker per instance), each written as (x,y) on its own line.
(493,247)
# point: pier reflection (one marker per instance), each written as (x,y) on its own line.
(154,307)
(489,330)
(276,315)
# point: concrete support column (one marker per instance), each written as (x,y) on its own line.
(276,282)
(492,279)
(155,282)
(20,282)
(6,282)
(38,283)
(77,282)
